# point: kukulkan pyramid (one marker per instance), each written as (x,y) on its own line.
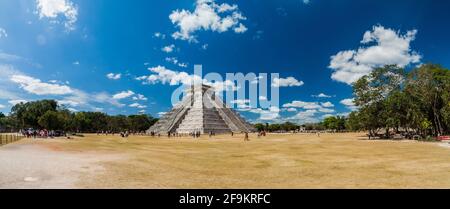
(201,111)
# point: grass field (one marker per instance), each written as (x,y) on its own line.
(275,161)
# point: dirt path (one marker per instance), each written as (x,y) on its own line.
(31,165)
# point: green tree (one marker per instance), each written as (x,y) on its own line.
(353,122)
(139,123)
(429,88)
(260,127)
(52,120)
(28,113)
(371,92)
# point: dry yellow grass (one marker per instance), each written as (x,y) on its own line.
(275,161)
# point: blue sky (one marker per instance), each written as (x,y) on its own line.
(127,57)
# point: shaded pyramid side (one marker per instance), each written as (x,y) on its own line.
(171,120)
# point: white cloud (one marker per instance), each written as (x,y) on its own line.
(113,76)
(10,57)
(390,47)
(316,106)
(52,9)
(291,109)
(175,61)
(266,114)
(306,1)
(166,76)
(160,114)
(240,101)
(327,104)
(71,103)
(140,97)
(3,33)
(137,105)
(307,116)
(11,79)
(240,29)
(104,97)
(325,110)
(159,35)
(205,46)
(286,82)
(349,103)
(2,106)
(168,49)
(76,63)
(123,94)
(208,15)
(301,104)
(36,86)
(321,95)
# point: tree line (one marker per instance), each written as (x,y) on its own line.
(389,101)
(334,123)
(47,114)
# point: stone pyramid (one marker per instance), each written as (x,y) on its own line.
(200,110)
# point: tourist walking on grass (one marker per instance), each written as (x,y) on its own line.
(246,137)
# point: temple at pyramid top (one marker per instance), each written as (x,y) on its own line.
(201,111)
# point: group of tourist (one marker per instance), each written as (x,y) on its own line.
(43,133)
(196,134)
(142,133)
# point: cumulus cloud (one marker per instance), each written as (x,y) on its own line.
(349,103)
(113,76)
(325,107)
(321,95)
(291,109)
(208,15)
(388,47)
(161,74)
(2,106)
(36,86)
(307,116)
(54,9)
(168,49)
(12,79)
(123,94)
(240,29)
(302,104)
(327,104)
(269,114)
(286,82)
(137,105)
(140,97)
